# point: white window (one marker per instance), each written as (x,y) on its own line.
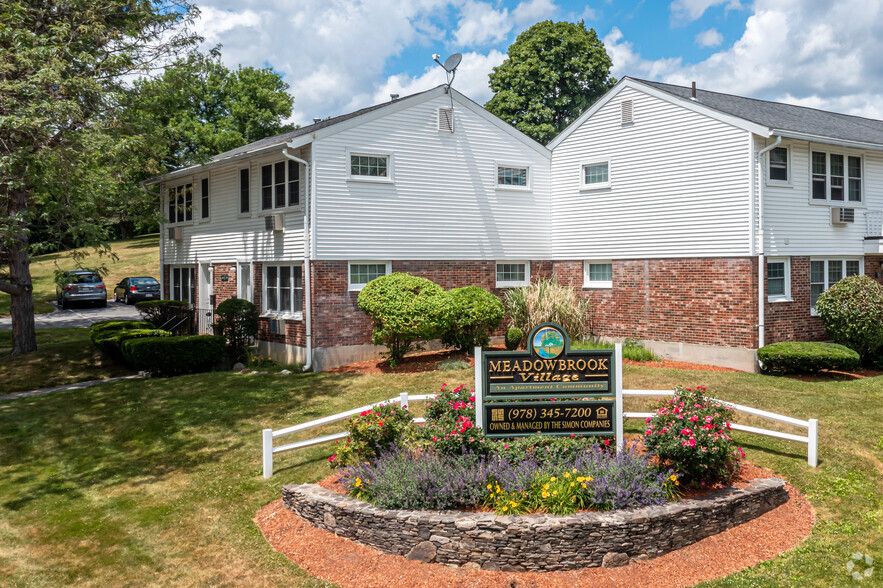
(203,193)
(362,272)
(369,167)
(184,284)
(284,289)
(836,177)
(778,279)
(244,191)
(824,273)
(244,288)
(779,165)
(595,174)
(513,177)
(512,274)
(597,274)
(181,203)
(280,185)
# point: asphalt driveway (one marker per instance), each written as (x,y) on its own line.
(81,316)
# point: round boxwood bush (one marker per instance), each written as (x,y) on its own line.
(852,310)
(513,338)
(237,320)
(474,313)
(806,357)
(405,309)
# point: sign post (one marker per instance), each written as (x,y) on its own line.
(549,389)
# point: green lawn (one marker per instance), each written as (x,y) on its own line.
(137,257)
(63,356)
(157,481)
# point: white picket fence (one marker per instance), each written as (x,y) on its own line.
(269,435)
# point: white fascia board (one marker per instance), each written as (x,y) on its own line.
(735,121)
(197,169)
(827,140)
(495,120)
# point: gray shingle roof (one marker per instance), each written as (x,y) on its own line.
(785,117)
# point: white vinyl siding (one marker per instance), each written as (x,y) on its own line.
(233,235)
(796,223)
(362,272)
(680,185)
(512,274)
(444,202)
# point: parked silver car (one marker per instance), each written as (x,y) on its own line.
(81,286)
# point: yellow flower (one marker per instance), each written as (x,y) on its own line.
(566,474)
(554,478)
(489,486)
(574,470)
(584,484)
(555,493)
(358,482)
(571,484)
(677,483)
(673,478)
(589,479)
(504,509)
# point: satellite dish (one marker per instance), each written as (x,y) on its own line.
(452,62)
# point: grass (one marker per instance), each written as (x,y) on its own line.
(157,481)
(137,257)
(63,356)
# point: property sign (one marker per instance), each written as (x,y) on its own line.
(539,378)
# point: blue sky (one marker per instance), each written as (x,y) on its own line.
(340,55)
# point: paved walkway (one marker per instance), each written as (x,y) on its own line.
(80,317)
(77,386)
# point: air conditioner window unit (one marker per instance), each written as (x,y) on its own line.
(277,327)
(176,233)
(273,222)
(842,216)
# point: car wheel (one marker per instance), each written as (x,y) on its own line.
(104,303)
(64,304)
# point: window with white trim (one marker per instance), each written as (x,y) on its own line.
(512,274)
(180,203)
(597,274)
(824,273)
(362,272)
(280,185)
(778,165)
(836,177)
(778,279)
(283,288)
(509,176)
(203,209)
(184,284)
(595,174)
(244,191)
(368,166)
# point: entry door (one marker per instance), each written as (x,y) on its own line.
(246,291)
(204,310)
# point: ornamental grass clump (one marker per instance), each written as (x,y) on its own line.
(450,426)
(691,433)
(373,431)
(547,301)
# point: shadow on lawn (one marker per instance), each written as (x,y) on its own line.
(139,432)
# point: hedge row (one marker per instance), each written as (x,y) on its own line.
(806,357)
(172,356)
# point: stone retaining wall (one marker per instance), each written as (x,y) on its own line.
(534,542)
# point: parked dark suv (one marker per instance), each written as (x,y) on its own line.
(131,290)
(81,286)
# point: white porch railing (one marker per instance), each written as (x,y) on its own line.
(269,435)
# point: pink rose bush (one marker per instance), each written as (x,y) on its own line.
(450,426)
(691,433)
(373,431)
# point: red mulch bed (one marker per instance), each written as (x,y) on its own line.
(350,564)
(428,362)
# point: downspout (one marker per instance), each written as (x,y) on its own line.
(308,314)
(761,278)
(162,272)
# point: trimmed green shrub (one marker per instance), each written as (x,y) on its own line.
(547,301)
(171,356)
(110,341)
(513,338)
(96,330)
(450,365)
(474,313)
(405,309)
(632,348)
(807,357)
(237,320)
(177,316)
(852,310)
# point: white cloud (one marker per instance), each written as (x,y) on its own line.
(533,11)
(690,10)
(810,52)
(480,24)
(709,38)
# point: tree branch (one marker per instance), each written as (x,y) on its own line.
(10,289)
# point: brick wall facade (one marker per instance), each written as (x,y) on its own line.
(792,321)
(874,267)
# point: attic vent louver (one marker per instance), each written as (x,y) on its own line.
(627,113)
(445,120)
